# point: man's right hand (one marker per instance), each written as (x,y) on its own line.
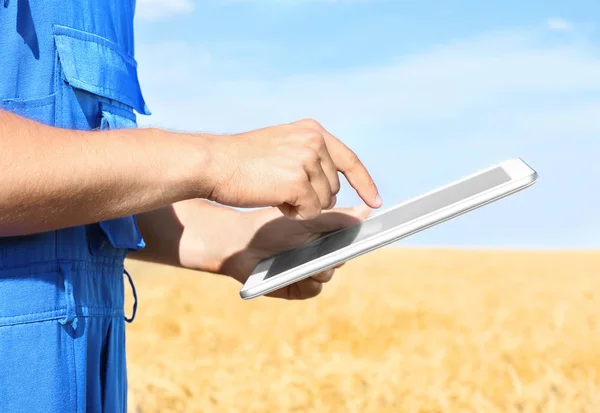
(292,166)
(91,176)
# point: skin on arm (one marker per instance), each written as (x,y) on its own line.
(54,178)
(171,242)
(199,235)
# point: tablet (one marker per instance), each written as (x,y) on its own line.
(388,226)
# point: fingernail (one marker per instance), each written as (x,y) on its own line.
(378,200)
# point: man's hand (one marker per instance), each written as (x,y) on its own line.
(293,167)
(276,233)
(92,176)
(201,236)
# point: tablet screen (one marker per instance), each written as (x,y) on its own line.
(398,216)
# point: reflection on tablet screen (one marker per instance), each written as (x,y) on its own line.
(334,241)
(325,245)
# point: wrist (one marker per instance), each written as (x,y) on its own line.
(190,164)
(231,257)
(210,234)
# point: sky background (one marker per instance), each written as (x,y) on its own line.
(424,92)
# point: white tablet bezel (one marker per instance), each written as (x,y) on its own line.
(521,176)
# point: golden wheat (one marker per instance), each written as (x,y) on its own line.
(398,330)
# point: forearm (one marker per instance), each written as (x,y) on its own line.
(54,178)
(162,230)
(195,234)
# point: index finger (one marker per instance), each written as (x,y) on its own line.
(348,163)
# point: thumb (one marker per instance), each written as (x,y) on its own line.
(362,211)
(339,218)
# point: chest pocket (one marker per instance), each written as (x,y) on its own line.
(108,77)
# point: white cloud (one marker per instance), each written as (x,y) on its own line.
(514,73)
(159,9)
(558,24)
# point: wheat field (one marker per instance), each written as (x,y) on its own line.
(397,330)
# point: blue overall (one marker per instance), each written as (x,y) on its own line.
(68,64)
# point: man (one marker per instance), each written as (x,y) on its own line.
(82,187)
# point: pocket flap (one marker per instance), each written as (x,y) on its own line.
(116,118)
(123,233)
(99,66)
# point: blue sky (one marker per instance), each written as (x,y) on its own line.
(424,91)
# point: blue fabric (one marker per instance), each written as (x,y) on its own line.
(68,64)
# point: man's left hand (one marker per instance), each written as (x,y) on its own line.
(232,243)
